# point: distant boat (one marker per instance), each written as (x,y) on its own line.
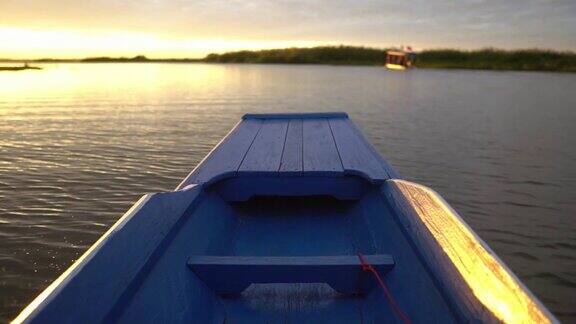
(400,59)
(292,218)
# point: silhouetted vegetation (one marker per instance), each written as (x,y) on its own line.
(19,68)
(493,59)
(139,58)
(135,59)
(484,59)
(488,59)
(349,55)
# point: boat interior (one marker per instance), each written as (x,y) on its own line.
(319,224)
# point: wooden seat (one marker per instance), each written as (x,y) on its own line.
(233,274)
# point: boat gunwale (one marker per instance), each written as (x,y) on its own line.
(451,280)
(101,248)
(52,291)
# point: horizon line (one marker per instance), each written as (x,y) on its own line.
(144,57)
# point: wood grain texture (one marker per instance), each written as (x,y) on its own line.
(481,287)
(226,157)
(319,150)
(265,153)
(292,155)
(357,158)
(392,173)
(317,144)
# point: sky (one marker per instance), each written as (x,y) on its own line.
(194,28)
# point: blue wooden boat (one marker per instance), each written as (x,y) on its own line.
(292,218)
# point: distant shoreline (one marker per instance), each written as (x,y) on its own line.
(19,68)
(484,59)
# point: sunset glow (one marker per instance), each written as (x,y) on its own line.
(34,44)
(193,29)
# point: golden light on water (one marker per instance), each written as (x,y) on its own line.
(62,81)
(491,283)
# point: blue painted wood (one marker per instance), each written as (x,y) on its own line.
(277,190)
(357,158)
(292,162)
(265,153)
(226,157)
(466,269)
(392,173)
(310,226)
(297,115)
(319,144)
(244,188)
(319,150)
(233,274)
(110,272)
(172,293)
(374,229)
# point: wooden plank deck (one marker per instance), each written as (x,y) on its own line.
(265,153)
(320,152)
(292,155)
(313,144)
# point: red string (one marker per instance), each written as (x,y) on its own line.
(367,267)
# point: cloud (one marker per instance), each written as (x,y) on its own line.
(439,23)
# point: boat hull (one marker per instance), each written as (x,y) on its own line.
(271,227)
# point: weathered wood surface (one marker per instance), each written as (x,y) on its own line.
(477,282)
(225,158)
(233,274)
(265,153)
(355,152)
(318,144)
(292,162)
(320,152)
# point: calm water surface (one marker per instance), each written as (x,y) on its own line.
(79,143)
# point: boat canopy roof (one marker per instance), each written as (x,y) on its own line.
(399,53)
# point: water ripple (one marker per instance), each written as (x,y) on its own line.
(73,159)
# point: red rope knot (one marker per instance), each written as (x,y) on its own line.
(367,267)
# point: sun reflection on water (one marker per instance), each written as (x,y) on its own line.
(57,79)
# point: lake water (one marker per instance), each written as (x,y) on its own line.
(79,143)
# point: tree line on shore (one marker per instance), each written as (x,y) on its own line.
(484,59)
(489,58)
